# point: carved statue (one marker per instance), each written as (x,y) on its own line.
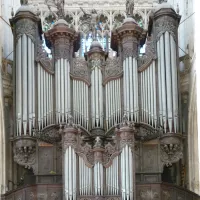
(24,2)
(91,19)
(129,7)
(59,5)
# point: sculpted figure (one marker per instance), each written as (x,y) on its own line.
(24,2)
(91,19)
(129,7)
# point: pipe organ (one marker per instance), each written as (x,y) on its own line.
(110,123)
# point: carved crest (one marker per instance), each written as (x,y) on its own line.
(80,70)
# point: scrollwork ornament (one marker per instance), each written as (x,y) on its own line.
(80,69)
(166,24)
(113,68)
(27,27)
(62,48)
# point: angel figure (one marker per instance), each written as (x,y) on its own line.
(24,2)
(91,19)
(129,7)
(59,5)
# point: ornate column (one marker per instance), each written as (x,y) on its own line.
(26,29)
(165,31)
(62,39)
(127,140)
(69,143)
(126,40)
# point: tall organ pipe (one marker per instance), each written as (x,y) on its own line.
(19,87)
(168,80)
(174,82)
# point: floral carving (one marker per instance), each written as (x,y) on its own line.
(130,52)
(62,48)
(26,26)
(113,68)
(80,70)
(166,23)
(25,152)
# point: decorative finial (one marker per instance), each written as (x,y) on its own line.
(177,9)
(12,12)
(129,7)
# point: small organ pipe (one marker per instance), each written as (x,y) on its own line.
(133,93)
(65,75)
(127,89)
(168,80)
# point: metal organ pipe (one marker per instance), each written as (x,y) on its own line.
(168,80)
(163,76)
(30,82)
(25,86)
(24,79)
(70,174)
(80,103)
(19,87)
(131,107)
(127,173)
(113,103)
(174,83)
(98,178)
